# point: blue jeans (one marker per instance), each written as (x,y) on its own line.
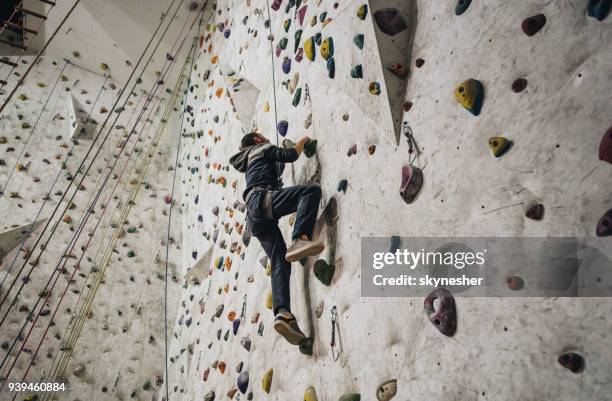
(303,199)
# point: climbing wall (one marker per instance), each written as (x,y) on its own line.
(498,110)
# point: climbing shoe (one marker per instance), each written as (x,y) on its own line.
(300,249)
(286,325)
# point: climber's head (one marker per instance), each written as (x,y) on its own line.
(251,139)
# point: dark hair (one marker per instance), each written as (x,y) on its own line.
(248,140)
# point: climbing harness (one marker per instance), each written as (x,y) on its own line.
(334,323)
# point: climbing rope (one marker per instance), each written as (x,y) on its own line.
(44,246)
(25,145)
(178,151)
(38,56)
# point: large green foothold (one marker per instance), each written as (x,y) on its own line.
(283,43)
(324,272)
(306,346)
(298,36)
(297,97)
(310,148)
(350,397)
(358,40)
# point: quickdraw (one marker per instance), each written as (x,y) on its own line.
(334,319)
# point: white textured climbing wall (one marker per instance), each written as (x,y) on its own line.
(504,349)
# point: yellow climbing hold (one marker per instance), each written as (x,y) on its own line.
(309,48)
(266,107)
(269,300)
(269,269)
(469,94)
(104,66)
(266,383)
(498,145)
(327,48)
(310,394)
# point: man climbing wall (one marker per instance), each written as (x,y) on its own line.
(266,202)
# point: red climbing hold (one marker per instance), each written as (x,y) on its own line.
(572,361)
(445,317)
(412,181)
(168,199)
(276,4)
(533,25)
(605,147)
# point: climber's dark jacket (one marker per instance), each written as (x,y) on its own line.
(263,164)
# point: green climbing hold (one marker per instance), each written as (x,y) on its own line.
(310,394)
(310,148)
(358,41)
(324,272)
(283,43)
(266,382)
(297,97)
(318,38)
(462,6)
(327,48)
(331,68)
(306,346)
(298,36)
(350,397)
(362,11)
(131,254)
(342,186)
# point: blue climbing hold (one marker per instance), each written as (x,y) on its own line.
(599,9)
(318,38)
(282,127)
(358,40)
(357,71)
(462,6)
(226,34)
(243,382)
(286,65)
(322,16)
(331,68)
(342,185)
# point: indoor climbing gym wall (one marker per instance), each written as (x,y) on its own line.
(457,118)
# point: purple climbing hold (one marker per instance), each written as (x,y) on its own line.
(533,25)
(282,127)
(605,147)
(286,65)
(445,317)
(226,34)
(412,181)
(215,210)
(604,226)
(302,14)
(572,361)
(235,326)
(243,382)
(535,212)
(299,55)
(390,21)
(276,4)
(352,150)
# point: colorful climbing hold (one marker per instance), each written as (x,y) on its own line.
(306,346)
(276,4)
(327,48)
(572,361)
(519,85)
(533,25)
(269,300)
(324,272)
(357,71)
(371,149)
(309,48)
(350,397)
(470,95)
(462,6)
(419,63)
(362,11)
(358,40)
(297,37)
(599,9)
(387,390)
(310,148)
(299,55)
(535,212)
(246,343)
(445,317)
(318,38)
(398,69)
(604,226)
(282,127)
(287,25)
(210,396)
(352,150)
(310,394)
(499,145)
(390,21)
(286,65)
(302,14)
(515,283)
(331,68)
(412,181)
(243,382)
(342,186)
(297,97)
(605,147)
(374,88)
(266,382)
